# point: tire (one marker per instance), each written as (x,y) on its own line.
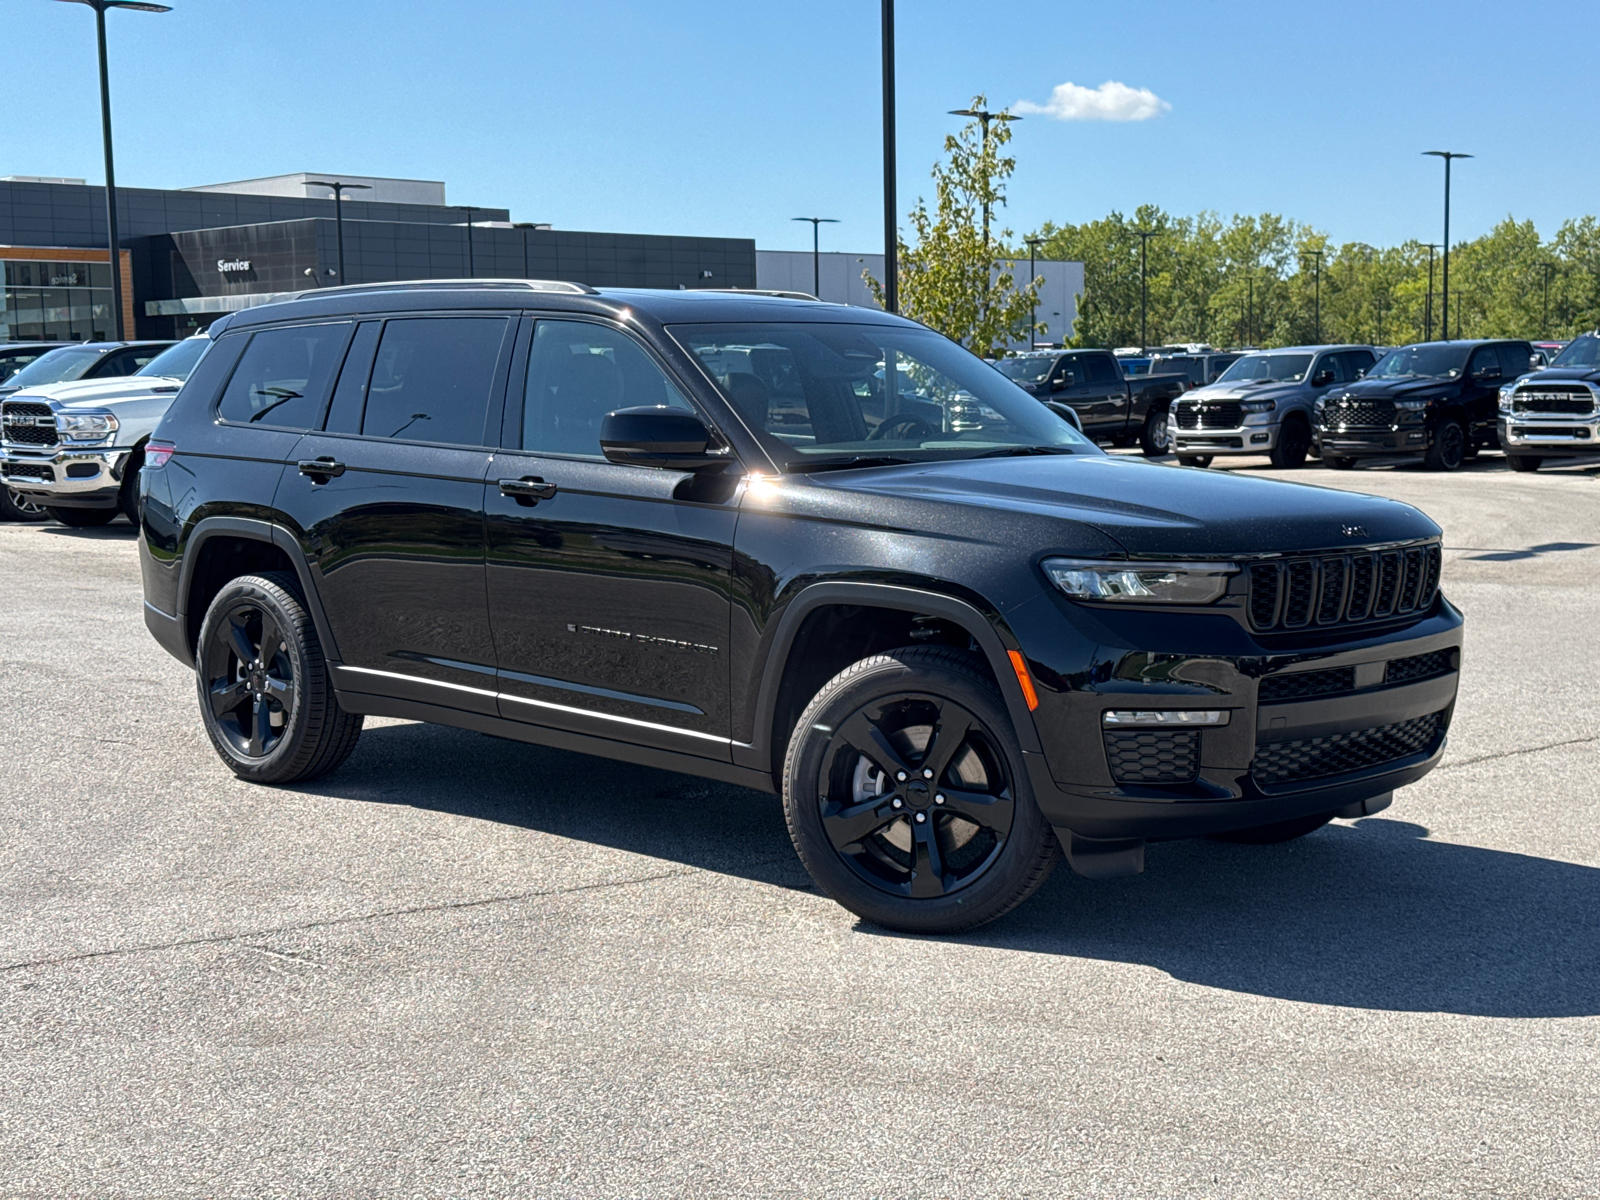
(1294,443)
(128,493)
(1155,439)
(311,735)
(1194,460)
(858,828)
(1338,462)
(84,518)
(14,506)
(1278,831)
(1525,462)
(1448,449)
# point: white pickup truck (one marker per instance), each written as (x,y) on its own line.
(72,450)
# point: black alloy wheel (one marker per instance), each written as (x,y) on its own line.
(84,518)
(906,798)
(1156,437)
(1194,460)
(265,696)
(1448,449)
(14,506)
(1294,443)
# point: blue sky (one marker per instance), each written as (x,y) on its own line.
(728,117)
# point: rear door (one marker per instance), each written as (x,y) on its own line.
(389,500)
(1104,405)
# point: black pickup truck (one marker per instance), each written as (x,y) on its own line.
(1110,406)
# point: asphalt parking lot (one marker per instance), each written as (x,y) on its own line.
(466,967)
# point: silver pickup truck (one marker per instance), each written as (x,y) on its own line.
(1263,404)
(72,450)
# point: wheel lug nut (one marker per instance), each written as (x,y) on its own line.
(897,803)
(921,817)
(938,799)
(927,772)
(901,776)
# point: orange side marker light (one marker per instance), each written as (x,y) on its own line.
(1021,668)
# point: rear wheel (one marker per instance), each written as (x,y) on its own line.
(1294,442)
(14,506)
(1525,462)
(1338,462)
(265,696)
(907,798)
(1278,831)
(1156,437)
(1448,449)
(1195,460)
(84,518)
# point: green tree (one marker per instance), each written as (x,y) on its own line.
(951,278)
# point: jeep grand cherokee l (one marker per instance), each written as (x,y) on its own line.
(816,550)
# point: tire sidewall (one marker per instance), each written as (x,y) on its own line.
(898,672)
(291,623)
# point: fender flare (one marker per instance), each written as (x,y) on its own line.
(272,534)
(758,752)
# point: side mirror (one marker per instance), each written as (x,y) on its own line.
(1063,381)
(1321,377)
(1361,373)
(663,437)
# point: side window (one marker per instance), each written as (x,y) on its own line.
(283,376)
(1357,361)
(578,372)
(350,394)
(432,378)
(1514,358)
(1334,366)
(1484,358)
(120,362)
(1068,366)
(1099,368)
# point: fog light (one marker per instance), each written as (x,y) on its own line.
(1259,437)
(1419,436)
(87,470)
(1123,717)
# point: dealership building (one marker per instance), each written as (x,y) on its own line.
(192,254)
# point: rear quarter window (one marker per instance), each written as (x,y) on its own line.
(282,377)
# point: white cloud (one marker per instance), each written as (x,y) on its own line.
(1110,101)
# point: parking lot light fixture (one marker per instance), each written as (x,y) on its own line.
(816,251)
(525,226)
(1444,303)
(112,239)
(469,209)
(1033,309)
(1144,236)
(984,116)
(1428,310)
(339,189)
(891,222)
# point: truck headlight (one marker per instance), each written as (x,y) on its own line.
(1254,406)
(1412,405)
(1505,397)
(85,427)
(1140,583)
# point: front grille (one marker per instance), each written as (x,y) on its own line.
(1209,414)
(18,423)
(1335,589)
(1153,755)
(38,471)
(1358,414)
(1420,666)
(1300,684)
(1568,400)
(1336,753)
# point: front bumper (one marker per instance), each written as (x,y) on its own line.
(1550,435)
(67,476)
(1247,439)
(1367,443)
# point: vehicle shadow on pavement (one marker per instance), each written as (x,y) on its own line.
(1371,915)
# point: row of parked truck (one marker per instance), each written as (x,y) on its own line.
(74,418)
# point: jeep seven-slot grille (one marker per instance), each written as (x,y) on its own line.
(1334,589)
(1420,666)
(1336,753)
(19,423)
(1209,414)
(1300,684)
(1358,414)
(1153,755)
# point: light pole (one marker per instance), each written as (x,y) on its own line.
(471,267)
(525,226)
(1144,236)
(1250,291)
(1033,309)
(113,241)
(1317,255)
(1444,307)
(816,250)
(1432,246)
(984,117)
(1546,266)
(891,226)
(339,189)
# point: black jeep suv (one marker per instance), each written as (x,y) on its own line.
(816,550)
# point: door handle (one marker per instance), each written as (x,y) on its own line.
(325,467)
(528,490)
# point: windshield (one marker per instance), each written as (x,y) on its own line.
(1580,352)
(1268,368)
(13,361)
(176,362)
(1428,361)
(1025,370)
(834,393)
(59,366)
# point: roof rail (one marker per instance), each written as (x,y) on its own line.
(562,286)
(778,292)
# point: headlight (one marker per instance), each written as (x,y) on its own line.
(1505,397)
(1411,405)
(1259,405)
(1140,583)
(1322,403)
(85,427)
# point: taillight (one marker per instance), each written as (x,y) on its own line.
(156,454)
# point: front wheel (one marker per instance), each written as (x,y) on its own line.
(906,795)
(1294,443)
(14,506)
(1449,447)
(1525,462)
(265,696)
(1194,460)
(1338,462)
(84,518)
(1155,439)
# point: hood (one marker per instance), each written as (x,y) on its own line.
(1564,375)
(1149,509)
(97,393)
(1407,388)
(1247,391)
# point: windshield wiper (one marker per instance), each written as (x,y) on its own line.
(804,466)
(1023,451)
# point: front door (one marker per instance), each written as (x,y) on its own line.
(389,496)
(608,585)
(1101,397)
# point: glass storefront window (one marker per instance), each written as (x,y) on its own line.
(55,301)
